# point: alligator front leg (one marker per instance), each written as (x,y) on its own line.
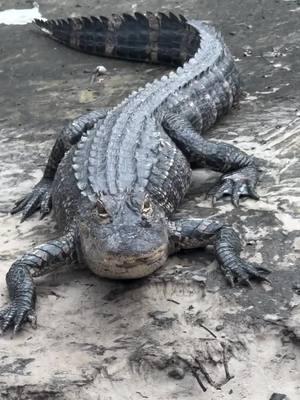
(40,197)
(41,260)
(190,233)
(240,171)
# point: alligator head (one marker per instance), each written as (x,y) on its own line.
(124,235)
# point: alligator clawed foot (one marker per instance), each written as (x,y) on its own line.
(236,184)
(242,272)
(15,315)
(39,198)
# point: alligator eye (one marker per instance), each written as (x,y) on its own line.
(101,212)
(147,207)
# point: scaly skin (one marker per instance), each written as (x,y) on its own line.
(115,178)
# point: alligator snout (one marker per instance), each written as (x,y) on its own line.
(124,252)
(127,266)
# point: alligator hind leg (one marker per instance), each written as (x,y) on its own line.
(190,233)
(41,260)
(40,197)
(240,171)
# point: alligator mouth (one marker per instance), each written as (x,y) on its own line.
(158,256)
(128,266)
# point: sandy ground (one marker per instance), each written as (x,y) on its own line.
(150,339)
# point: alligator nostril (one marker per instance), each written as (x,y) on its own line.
(145,223)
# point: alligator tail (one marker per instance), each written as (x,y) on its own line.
(155,38)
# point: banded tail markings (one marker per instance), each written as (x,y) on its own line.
(155,38)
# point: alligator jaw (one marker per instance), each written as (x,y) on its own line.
(116,266)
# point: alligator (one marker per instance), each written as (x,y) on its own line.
(115,177)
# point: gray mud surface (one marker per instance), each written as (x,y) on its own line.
(159,337)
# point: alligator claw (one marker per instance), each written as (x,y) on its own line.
(251,192)
(241,272)
(235,269)
(236,184)
(14,316)
(39,198)
(219,191)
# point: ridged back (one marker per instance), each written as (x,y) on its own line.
(126,148)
